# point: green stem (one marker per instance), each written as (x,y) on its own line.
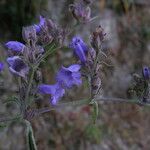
(38,112)
(45,55)
(86,102)
(20,97)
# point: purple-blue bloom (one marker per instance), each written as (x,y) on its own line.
(38,27)
(56,91)
(70,76)
(1,66)
(146,72)
(15,46)
(80,48)
(17,66)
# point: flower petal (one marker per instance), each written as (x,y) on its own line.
(38,27)
(70,76)
(1,66)
(74,68)
(79,47)
(56,91)
(146,72)
(11,60)
(15,46)
(17,66)
(46,89)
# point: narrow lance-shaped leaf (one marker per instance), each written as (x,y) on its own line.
(30,137)
(2,126)
(95,111)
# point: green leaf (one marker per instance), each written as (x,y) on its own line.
(49,50)
(95,111)
(2,126)
(12,99)
(30,137)
(93,133)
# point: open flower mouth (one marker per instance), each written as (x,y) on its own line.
(17,66)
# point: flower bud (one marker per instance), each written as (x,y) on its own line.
(40,25)
(80,12)
(146,72)
(80,48)
(15,46)
(29,34)
(97,37)
(1,66)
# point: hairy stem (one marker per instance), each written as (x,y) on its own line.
(29,85)
(45,55)
(75,103)
(86,102)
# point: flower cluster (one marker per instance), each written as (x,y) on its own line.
(24,59)
(66,78)
(25,56)
(22,55)
(48,31)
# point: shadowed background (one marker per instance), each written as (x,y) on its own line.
(119,126)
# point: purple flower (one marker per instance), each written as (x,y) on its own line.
(146,72)
(70,76)
(17,66)
(1,66)
(80,48)
(39,26)
(56,91)
(15,46)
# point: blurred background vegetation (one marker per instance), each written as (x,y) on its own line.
(119,126)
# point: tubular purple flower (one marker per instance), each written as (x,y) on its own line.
(70,76)
(15,46)
(146,72)
(1,66)
(79,47)
(39,26)
(56,91)
(17,66)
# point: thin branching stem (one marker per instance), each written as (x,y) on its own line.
(46,55)
(75,103)
(86,102)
